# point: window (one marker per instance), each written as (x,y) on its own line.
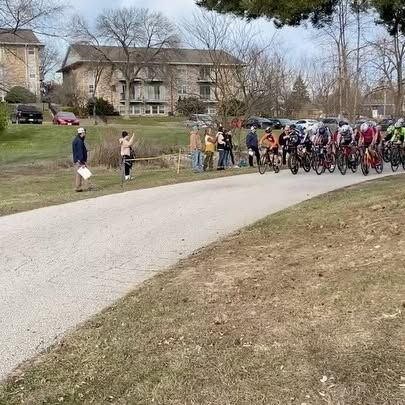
(182,90)
(154,109)
(162,109)
(32,75)
(136,109)
(205,72)
(31,51)
(91,90)
(148,109)
(205,91)
(153,92)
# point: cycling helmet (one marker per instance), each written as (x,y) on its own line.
(364,127)
(322,131)
(293,126)
(398,124)
(345,129)
(268,130)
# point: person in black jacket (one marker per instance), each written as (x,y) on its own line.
(282,141)
(252,143)
(79,156)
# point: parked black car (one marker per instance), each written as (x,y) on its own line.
(27,114)
(276,123)
(259,122)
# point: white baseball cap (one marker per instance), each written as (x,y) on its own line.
(81,131)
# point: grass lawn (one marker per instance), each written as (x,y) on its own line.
(29,187)
(25,144)
(306,306)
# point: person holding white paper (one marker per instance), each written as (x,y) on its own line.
(79,157)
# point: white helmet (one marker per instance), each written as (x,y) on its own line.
(364,127)
(344,129)
(398,124)
(81,131)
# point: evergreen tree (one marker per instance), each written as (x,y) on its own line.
(298,97)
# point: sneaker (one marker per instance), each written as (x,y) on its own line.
(127,177)
(236,167)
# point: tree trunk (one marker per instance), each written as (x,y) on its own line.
(94,111)
(127,94)
(357,82)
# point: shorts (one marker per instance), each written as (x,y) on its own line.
(367,144)
(346,142)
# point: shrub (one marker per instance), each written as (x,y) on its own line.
(103,107)
(20,95)
(4,114)
(108,153)
(190,105)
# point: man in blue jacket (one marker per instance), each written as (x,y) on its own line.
(252,143)
(79,156)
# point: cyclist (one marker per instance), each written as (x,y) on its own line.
(368,137)
(345,135)
(397,135)
(269,141)
(323,136)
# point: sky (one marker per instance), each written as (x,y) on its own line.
(297,41)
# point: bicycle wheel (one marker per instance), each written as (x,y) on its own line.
(365,168)
(395,159)
(342,163)
(331,163)
(379,165)
(319,165)
(387,154)
(263,164)
(293,163)
(355,161)
(306,163)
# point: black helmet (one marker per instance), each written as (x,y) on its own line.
(322,131)
(293,126)
(268,130)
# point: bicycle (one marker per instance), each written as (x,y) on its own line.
(397,156)
(387,151)
(325,159)
(347,157)
(268,160)
(371,160)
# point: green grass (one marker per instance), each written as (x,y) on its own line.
(28,187)
(258,318)
(27,144)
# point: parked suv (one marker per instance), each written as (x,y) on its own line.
(27,114)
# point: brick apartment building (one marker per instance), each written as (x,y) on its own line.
(19,61)
(155,91)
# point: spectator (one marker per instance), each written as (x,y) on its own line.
(282,140)
(209,149)
(79,157)
(252,144)
(221,148)
(127,153)
(196,153)
(229,149)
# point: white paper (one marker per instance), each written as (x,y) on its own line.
(84,172)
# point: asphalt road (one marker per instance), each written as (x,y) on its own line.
(61,265)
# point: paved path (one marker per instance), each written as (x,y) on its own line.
(61,265)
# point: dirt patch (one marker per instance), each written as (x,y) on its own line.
(305,307)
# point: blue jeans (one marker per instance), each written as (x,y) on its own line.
(221,161)
(197,161)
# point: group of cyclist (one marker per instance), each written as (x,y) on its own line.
(363,136)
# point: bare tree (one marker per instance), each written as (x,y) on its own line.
(49,60)
(38,15)
(388,65)
(139,35)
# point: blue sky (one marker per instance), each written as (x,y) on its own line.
(297,41)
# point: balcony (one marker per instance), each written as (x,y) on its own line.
(205,79)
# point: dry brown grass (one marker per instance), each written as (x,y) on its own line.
(304,307)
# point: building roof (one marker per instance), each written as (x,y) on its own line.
(87,53)
(19,37)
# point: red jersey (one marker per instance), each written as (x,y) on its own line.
(368,136)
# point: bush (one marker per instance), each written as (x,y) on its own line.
(4,114)
(20,95)
(103,107)
(190,105)
(108,153)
